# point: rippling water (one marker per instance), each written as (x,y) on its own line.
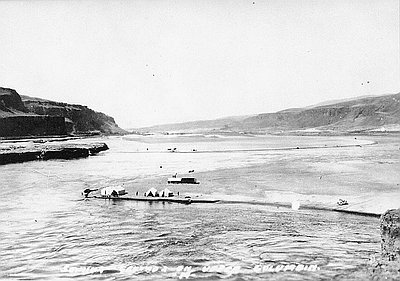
(48,232)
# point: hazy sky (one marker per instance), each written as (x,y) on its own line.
(153,62)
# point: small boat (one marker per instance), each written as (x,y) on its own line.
(190,180)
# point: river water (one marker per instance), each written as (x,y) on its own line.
(48,232)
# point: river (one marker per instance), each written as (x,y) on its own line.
(48,232)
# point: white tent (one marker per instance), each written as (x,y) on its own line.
(152,192)
(166,193)
(113,191)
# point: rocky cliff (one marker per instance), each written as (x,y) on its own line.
(79,118)
(27,116)
(11,103)
(32,125)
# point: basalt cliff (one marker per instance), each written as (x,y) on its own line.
(23,116)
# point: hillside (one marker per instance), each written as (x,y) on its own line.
(198,126)
(363,114)
(27,116)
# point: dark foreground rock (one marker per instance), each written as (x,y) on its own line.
(390,235)
(15,154)
(386,266)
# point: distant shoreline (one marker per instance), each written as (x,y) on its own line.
(272,133)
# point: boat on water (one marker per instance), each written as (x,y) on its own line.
(188,180)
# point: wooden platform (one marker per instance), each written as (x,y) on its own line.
(304,207)
(158,199)
(196,200)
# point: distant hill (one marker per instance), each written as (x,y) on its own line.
(28,116)
(330,102)
(362,114)
(198,126)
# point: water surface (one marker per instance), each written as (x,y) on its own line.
(48,232)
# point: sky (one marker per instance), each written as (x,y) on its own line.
(155,62)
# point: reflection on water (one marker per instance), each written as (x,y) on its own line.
(47,229)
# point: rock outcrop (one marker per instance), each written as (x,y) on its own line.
(80,119)
(27,117)
(17,121)
(390,235)
(43,151)
(32,125)
(10,102)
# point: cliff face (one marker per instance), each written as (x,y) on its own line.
(10,103)
(17,121)
(80,118)
(32,125)
(28,116)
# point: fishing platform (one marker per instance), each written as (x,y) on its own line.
(181,200)
(117,193)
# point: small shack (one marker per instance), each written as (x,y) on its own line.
(166,193)
(152,192)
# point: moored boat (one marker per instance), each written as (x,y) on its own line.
(188,180)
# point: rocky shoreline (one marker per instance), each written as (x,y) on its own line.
(18,152)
